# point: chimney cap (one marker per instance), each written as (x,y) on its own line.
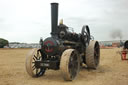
(54,3)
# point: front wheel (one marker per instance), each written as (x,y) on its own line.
(34,55)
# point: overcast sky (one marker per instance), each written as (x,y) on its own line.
(28,20)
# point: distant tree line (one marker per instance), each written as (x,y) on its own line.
(3,42)
(16,43)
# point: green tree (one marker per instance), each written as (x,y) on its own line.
(3,42)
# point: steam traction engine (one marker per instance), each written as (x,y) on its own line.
(64,50)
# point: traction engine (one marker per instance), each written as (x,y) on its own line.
(65,50)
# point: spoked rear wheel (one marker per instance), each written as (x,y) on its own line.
(93,55)
(33,56)
(70,64)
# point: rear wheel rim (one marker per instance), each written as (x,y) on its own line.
(70,64)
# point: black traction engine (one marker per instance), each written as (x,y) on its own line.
(65,50)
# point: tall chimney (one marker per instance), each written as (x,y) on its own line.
(54,18)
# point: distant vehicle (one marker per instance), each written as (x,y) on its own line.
(124,51)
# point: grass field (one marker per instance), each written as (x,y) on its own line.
(111,71)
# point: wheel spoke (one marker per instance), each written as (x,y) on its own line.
(34,68)
(33,62)
(39,57)
(36,71)
(71,71)
(35,57)
(74,72)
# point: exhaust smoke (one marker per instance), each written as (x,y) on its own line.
(116,34)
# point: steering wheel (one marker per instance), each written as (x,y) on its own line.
(85,35)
